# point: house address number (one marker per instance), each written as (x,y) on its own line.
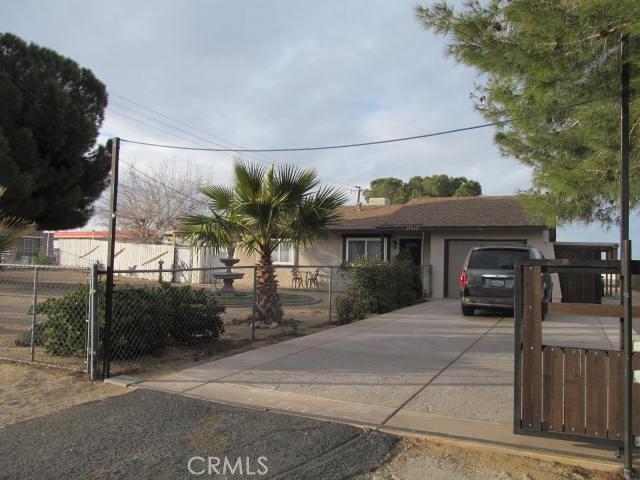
(413,228)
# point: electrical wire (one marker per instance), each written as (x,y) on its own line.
(223,145)
(375,142)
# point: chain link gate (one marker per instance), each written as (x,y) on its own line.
(44,315)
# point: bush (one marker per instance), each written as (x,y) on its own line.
(380,287)
(144,319)
(348,309)
(23,339)
(66,323)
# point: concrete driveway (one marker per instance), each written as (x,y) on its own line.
(425,368)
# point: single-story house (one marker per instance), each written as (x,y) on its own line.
(438,231)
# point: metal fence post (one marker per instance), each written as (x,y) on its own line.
(94,324)
(34,313)
(160,263)
(330,293)
(253,304)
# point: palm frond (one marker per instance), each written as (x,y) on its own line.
(248,179)
(11,228)
(315,215)
(295,183)
(215,231)
(220,197)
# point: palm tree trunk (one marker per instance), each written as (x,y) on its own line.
(268,306)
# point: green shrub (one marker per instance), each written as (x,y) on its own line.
(380,287)
(66,323)
(194,314)
(144,319)
(348,309)
(23,339)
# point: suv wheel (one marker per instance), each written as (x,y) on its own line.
(467,311)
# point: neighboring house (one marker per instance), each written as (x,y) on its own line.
(85,248)
(28,247)
(437,231)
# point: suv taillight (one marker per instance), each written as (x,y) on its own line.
(463,279)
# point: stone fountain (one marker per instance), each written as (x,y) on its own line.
(228,277)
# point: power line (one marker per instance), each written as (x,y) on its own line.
(223,146)
(167,132)
(375,142)
(173,119)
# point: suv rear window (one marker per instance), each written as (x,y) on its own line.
(496,259)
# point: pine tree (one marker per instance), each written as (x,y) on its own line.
(540,56)
(50,113)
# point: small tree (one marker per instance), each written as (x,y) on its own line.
(431,186)
(150,204)
(262,209)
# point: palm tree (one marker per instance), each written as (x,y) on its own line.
(262,209)
(10,229)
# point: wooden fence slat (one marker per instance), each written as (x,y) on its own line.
(590,310)
(552,387)
(636,397)
(574,383)
(596,391)
(616,395)
(532,348)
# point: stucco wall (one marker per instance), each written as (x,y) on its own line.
(325,251)
(328,251)
(536,238)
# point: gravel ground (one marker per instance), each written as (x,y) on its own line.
(28,392)
(147,434)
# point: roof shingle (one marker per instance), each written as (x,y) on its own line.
(441,212)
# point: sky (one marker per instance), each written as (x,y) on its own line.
(281,74)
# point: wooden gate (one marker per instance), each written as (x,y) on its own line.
(565,391)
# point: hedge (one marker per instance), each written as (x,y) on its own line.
(145,320)
(379,287)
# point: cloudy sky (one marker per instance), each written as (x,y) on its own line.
(280,73)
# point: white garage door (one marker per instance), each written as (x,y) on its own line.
(458,250)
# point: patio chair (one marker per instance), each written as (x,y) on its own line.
(296,279)
(312,279)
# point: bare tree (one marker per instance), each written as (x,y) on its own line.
(152,203)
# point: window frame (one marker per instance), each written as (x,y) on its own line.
(385,243)
(293,254)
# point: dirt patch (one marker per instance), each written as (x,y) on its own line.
(27,392)
(236,339)
(420,459)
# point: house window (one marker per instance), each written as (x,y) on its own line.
(365,247)
(283,254)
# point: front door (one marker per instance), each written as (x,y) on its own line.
(414,247)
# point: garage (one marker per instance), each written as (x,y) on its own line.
(456,253)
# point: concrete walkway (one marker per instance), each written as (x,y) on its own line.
(424,369)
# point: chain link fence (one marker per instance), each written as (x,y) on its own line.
(30,330)
(188,311)
(56,316)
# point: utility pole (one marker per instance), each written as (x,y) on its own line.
(358,194)
(113,207)
(625,261)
